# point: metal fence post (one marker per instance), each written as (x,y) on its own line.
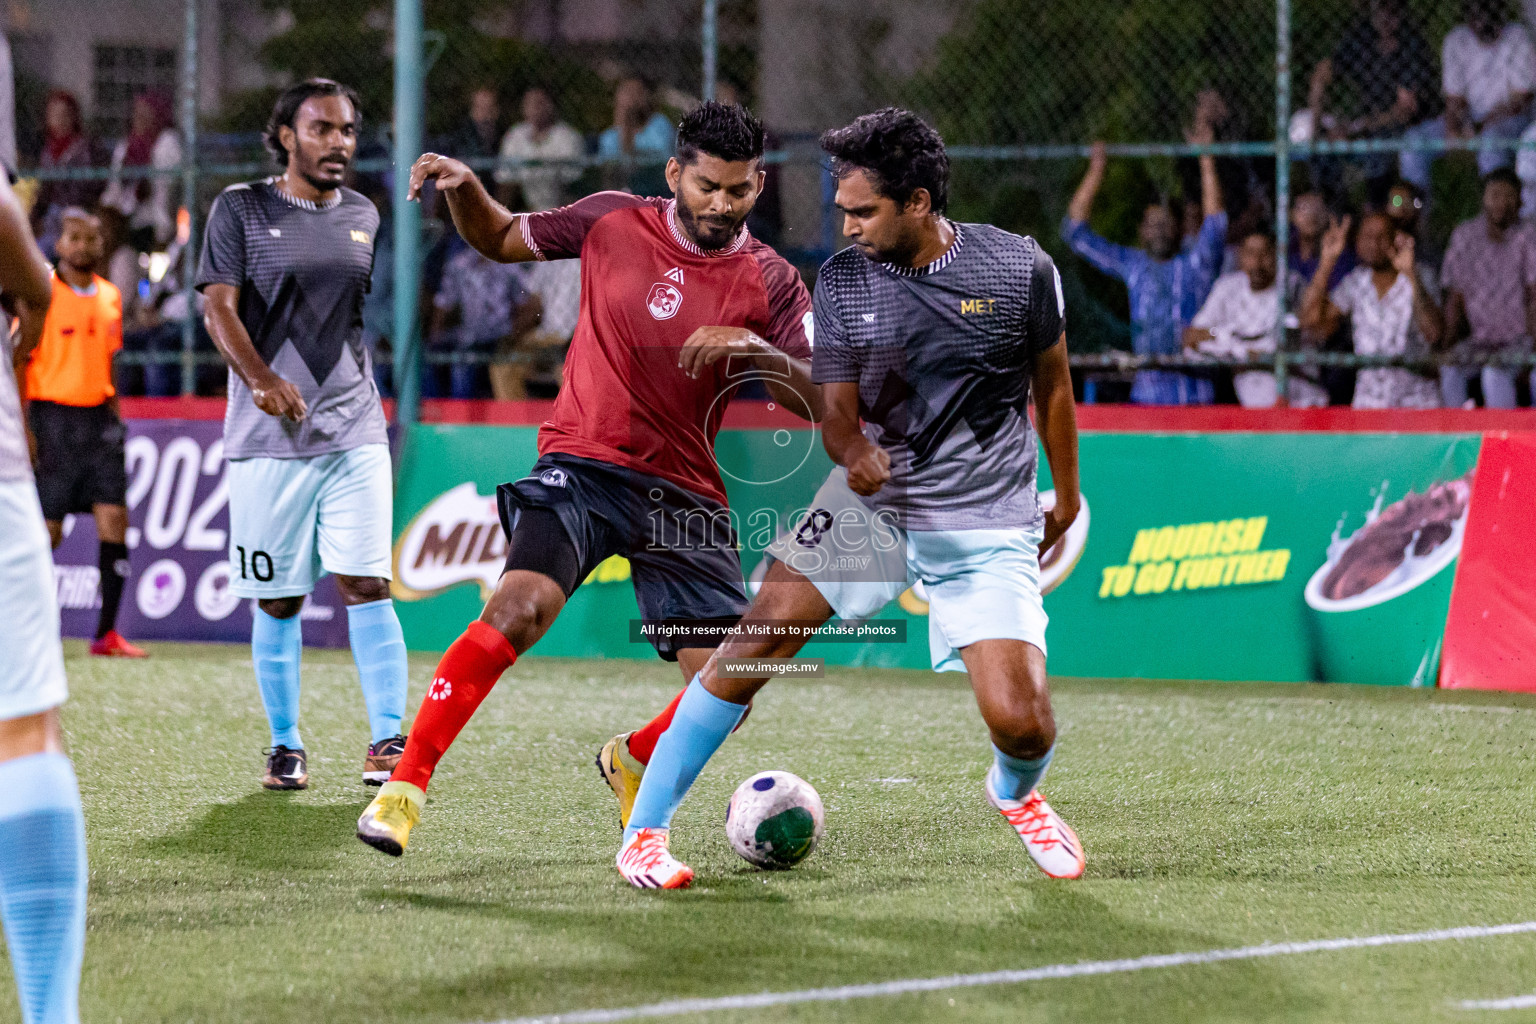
(189,199)
(409,113)
(711,45)
(1282,189)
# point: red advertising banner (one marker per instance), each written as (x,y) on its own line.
(1490,633)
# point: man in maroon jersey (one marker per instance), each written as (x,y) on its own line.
(677,302)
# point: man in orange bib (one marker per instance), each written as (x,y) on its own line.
(72,412)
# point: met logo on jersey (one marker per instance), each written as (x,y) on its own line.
(361,237)
(977,307)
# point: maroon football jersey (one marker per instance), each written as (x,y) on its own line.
(645,288)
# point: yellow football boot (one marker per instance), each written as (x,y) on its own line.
(387,823)
(622,773)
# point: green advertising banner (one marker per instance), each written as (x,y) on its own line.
(1237,556)
(1201,550)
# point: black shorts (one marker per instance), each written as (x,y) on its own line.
(681,546)
(80,460)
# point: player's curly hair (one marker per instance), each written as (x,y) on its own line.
(726,132)
(287,108)
(899,151)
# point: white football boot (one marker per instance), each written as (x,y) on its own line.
(646,863)
(1050,841)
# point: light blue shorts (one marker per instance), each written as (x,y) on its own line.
(292,520)
(33,680)
(980,584)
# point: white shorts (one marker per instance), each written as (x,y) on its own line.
(292,520)
(981,584)
(33,680)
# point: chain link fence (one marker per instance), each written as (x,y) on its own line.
(1342,98)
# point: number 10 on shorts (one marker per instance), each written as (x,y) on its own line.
(257,567)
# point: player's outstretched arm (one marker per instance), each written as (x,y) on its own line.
(788,379)
(1056,416)
(31,318)
(868,465)
(480,220)
(24,274)
(272,394)
(796,391)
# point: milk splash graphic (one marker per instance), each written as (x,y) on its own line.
(1398,547)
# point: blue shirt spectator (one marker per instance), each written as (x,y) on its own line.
(1167,286)
(657,137)
(486,295)
(1304,268)
(640,132)
(638,128)
(1165,296)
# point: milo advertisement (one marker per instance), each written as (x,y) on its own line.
(1379,601)
(1235,556)
(1265,556)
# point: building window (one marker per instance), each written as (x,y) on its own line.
(123,72)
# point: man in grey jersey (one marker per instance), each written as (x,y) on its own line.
(43,869)
(936,335)
(285,267)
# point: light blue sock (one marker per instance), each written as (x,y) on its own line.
(378,648)
(1012,778)
(42,884)
(701,724)
(276,646)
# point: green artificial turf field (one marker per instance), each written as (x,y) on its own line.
(1213,816)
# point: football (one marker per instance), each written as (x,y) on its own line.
(774,819)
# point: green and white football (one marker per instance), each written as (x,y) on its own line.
(774,819)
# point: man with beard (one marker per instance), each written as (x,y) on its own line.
(932,339)
(72,410)
(1238,321)
(1489,276)
(678,302)
(1390,300)
(285,267)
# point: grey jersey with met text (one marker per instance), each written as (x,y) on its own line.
(15,463)
(303,270)
(943,356)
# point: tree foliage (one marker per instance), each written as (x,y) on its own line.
(352,41)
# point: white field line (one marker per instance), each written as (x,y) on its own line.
(1512,1003)
(905,986)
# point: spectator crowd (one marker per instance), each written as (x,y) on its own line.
(491,330)
(1361,275)
(1202,281)
(143,234)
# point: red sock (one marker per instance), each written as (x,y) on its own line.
(642,743)
(465,675)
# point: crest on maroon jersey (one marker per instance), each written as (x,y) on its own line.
(664,300)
